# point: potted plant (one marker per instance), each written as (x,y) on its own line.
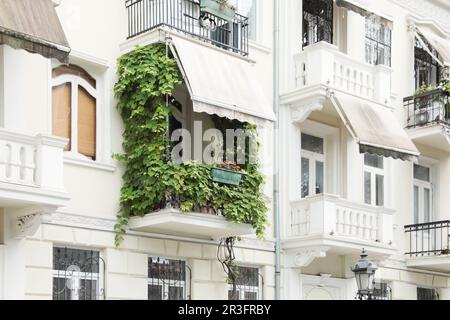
(227,173)
(219,8)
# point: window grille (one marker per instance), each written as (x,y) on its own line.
(427,294)
(382,291)
(426,68)
(247,285)
(167,279)
(77,274)
(317,21)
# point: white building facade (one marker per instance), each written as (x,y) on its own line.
(361,164)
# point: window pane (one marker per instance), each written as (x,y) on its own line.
(250,296)
(426,205)
(380,190)
(175,293)
(305,178)
(86,123)
(61,112)
(247,8)
(367,188)
(416,204)
(421,173)
(319,177)
(230,295)
(311,143)
(154,292)
(373,161)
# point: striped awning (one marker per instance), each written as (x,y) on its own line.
(33,25)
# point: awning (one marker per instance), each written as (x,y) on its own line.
(222,84)
(374,127)
(33,25)
(441,45)
(361,9)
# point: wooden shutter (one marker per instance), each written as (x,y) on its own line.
(86,123)
(61,112)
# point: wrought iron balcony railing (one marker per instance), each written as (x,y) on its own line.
(428,108)
(185,16)
(429,239)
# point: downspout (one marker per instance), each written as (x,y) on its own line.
(276,187)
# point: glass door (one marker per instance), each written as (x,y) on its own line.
(312,165)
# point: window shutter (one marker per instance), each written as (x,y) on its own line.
(61,112)
(86,123)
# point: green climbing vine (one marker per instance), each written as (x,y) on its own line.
(151,181)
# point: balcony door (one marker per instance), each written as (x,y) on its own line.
(422,194)
(312,165)
(317,21)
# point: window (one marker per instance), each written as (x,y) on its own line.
(317,21)
(247,8)
(378,41)
(373,180)
(166,279)
(76,274)
(312,165)
(422,194)
(426,68)
(382,291)
(247,284)
(74,109)
(427,294)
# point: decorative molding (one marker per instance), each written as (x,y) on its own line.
(304,257)
(29,220)
(427,10)
(78,221)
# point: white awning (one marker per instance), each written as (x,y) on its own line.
(222,84)
(441,45)
(374,127)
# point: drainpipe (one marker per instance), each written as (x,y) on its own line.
(276,187)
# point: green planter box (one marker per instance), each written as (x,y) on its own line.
(217,9)
(226,176)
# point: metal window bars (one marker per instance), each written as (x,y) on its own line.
(427,294)
(185,16)
(77,274)
(247,285)
(382,291)
(167,279)
(431,107)
(429,239)
(317,21)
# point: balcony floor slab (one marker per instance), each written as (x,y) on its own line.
(198,225)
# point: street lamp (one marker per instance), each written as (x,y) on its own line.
(364,271)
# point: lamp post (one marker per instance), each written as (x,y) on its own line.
(364,271)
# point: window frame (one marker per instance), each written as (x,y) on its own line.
(243,289)
(374,172)
(422,185)
(313,158)
(76,82)
(378,22)
(100,285)
(98,69)
(185,284)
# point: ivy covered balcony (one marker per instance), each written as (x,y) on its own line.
(176,181)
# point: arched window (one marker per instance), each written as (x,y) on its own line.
(74,109)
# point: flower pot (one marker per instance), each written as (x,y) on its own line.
(217,9)
(226,176)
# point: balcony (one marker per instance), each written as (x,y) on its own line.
(341,226)
(186,17)
(429,245)
(31,170)
(322,64)
(191,224)
(428,119)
